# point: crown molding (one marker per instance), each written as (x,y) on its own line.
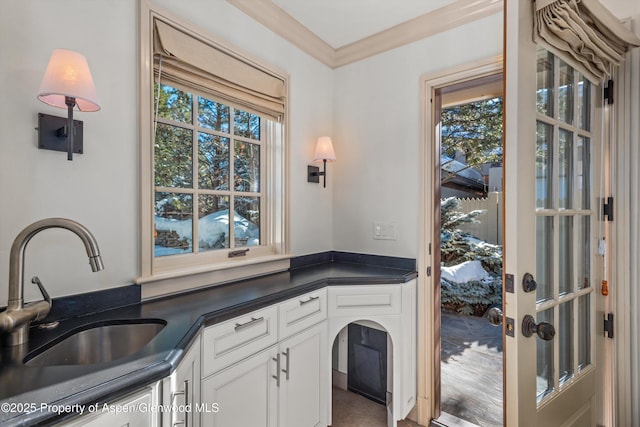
(440,20)
(280,22)
(443,19)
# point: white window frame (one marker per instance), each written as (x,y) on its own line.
(176,273)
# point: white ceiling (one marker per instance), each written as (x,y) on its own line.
(340,22)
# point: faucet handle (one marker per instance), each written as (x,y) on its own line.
(43,291)
(45,295)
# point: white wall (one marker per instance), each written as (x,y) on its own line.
(370,108)
(623,8)
(377,135)
(100,188)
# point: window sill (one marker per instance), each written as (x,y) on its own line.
(189,279)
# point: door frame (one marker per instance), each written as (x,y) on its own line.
(428,366)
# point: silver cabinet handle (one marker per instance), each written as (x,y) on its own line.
(277,375)
(288,355)
(240,326)
(175,394)
(186,402)
(309,300)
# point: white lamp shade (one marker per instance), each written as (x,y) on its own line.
(324,150)
(68,74)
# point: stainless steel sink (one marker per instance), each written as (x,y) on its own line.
(98,343)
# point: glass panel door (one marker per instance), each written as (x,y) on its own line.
(563,224)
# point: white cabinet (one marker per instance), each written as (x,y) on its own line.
(365,300)
(282,385)
(246,393)
(181,391)
(297,314)
(135,410)
(393,307)
(270,367)
(233,340)
(303,378)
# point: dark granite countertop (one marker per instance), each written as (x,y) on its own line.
(31,395)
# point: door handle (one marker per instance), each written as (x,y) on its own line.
(277,375)
(545,330)
(494,316)
(286,369)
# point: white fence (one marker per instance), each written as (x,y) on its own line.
(489,226)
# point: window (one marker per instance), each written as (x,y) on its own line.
(207,165)
(213,153)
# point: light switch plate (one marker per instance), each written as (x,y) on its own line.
(384,231)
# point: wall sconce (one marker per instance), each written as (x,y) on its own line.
(324,152)
(67,83)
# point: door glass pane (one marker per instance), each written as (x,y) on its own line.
(213,222)
(565,169)
(583,166)
(564,192)
(565,253)
(173,156)
(213,162)
(584,103)
(544,98)
(247,221)
(246,167)
(544,258)
(172,228)
(565,341)
(544,351)
(565,93)
(583,231)
(544,165)
(584,331)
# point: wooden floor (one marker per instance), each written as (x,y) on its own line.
(471,369)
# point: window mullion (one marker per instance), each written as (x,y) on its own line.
(232,205)
(195,166)
(556,220)
(265,216)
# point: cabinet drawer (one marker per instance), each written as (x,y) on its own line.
(365,300)
(299,313)
(238,338)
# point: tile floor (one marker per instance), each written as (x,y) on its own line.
(352,410)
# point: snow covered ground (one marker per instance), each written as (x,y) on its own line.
(210,229)
(468,271)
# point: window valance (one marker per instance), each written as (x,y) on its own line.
(584,32)
(186,59)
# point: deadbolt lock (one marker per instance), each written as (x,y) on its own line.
(528,283)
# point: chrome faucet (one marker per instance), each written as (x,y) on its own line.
(15,320)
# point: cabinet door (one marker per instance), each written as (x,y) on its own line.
(244,394)
(183,395)
(304,378)
(131,411)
